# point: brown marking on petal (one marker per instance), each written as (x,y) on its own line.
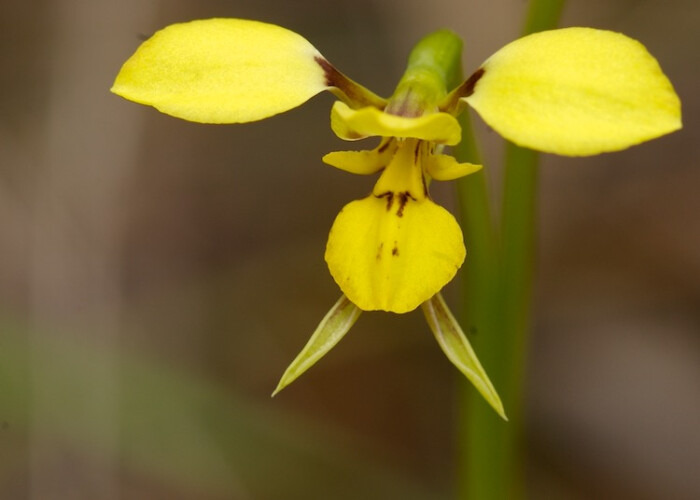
(332,74)
(425,184)
(468,86)
(389,199)
(335,78)
(383,147)
(403,199)
(416,153)
(351,134)
(379,251)
(352,91)
(395,250)
(453,104)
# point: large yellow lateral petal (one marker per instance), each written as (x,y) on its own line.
(393,253)
(222,71)
(577,92)
(352,124)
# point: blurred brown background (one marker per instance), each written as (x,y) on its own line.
(157,276)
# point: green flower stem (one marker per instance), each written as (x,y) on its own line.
(498,294)
(481,266)
(483,460)
(542,15)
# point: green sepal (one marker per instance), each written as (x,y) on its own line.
(432,67)
(332,328)
(459,351)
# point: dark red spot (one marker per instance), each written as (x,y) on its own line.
(403,199)
(395,250)
(383,147)
(468,86)
(389,199)
(332,74)
(336,79)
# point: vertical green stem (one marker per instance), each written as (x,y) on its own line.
(479,316)
(498,294)
(542,15)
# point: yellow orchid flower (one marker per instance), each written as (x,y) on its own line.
(573,91)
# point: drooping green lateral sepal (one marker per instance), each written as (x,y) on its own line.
(458,350)
(330,330)
(576,92)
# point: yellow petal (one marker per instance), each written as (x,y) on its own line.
(403,175)
(576,91)
(392,253)
(352,124)
(363,162)
(446,168)
(223,71)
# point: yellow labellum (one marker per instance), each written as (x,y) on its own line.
(352,124)
(222,71)
(576,91)
(391,254)
(396,248)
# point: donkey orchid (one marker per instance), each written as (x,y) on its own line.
(573,91)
